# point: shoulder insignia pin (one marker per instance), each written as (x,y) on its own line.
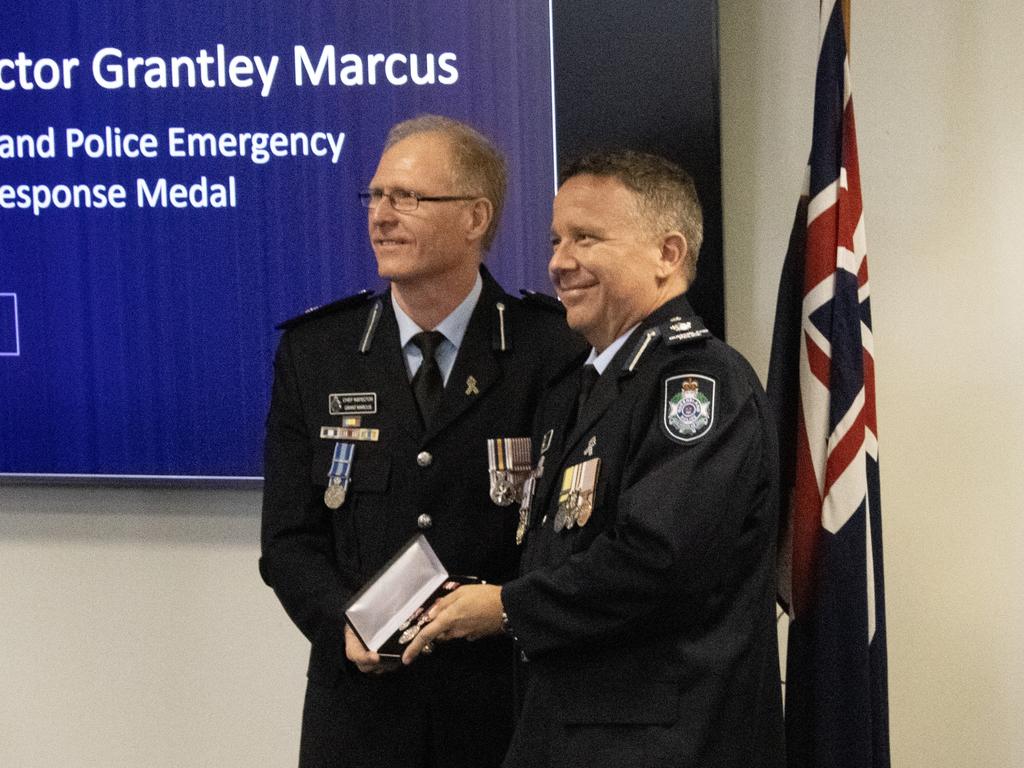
(679,331)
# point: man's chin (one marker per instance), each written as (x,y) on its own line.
(580,324)
(397,276)
(388,269)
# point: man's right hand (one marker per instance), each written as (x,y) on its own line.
(365,660)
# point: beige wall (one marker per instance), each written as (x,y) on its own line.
(134,629)
(135,632)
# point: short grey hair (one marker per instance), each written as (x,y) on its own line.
(479,164)
(665,193)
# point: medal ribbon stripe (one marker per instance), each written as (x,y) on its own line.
(510,453)
(341,460)
(509,466)
(520,450)
(830,575)
(495,455)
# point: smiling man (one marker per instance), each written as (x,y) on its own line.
(379,423)
(645,613)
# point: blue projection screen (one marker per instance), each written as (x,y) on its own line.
(176,177)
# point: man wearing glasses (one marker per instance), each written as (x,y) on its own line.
(379,423)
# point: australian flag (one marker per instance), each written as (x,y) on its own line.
(822,386)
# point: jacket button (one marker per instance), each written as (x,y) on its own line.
(424,459)
(424,521)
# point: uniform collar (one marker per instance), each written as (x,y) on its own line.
(453,327)
(647,333)
(601,361)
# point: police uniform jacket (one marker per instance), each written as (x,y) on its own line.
(650,630)
(410,480)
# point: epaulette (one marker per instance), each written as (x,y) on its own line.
(326,309)
(542,300)
(677,331)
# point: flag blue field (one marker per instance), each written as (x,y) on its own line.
(821,383)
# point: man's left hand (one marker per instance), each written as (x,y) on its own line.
(471,611)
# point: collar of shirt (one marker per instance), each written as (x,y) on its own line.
(600,361)
(453,328)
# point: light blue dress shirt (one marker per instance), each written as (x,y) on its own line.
(453,328)
(600,361)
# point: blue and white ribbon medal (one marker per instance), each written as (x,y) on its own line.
(338,477)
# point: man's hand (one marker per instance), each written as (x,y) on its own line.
(365,660)
(471,611)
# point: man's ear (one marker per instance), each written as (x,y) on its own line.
(481,212)
(673,254)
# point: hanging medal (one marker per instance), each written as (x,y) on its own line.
(586,488)
(526,504)
(338,477)
(509,466)
(576,496)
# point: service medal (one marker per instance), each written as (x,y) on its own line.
(586,506)
(409,634)
(524,508)
(509,465)
(586,487)
(576,497)
(526,503)
(565,500)
(339,476)
(334,496)
(572,510)
(561,518)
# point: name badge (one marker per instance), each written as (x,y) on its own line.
(351,403)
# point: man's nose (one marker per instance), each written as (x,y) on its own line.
(383,211)
(561,260)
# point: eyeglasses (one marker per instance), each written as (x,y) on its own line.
(404,200)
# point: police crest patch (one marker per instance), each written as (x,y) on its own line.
(689,407)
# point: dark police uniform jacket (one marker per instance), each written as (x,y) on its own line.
(650,630)
(456,704)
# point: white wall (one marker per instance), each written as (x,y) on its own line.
(940,110)
(134,629)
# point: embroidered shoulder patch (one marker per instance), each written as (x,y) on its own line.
(688,407)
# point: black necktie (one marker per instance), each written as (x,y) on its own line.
(427,384)
(588,378)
